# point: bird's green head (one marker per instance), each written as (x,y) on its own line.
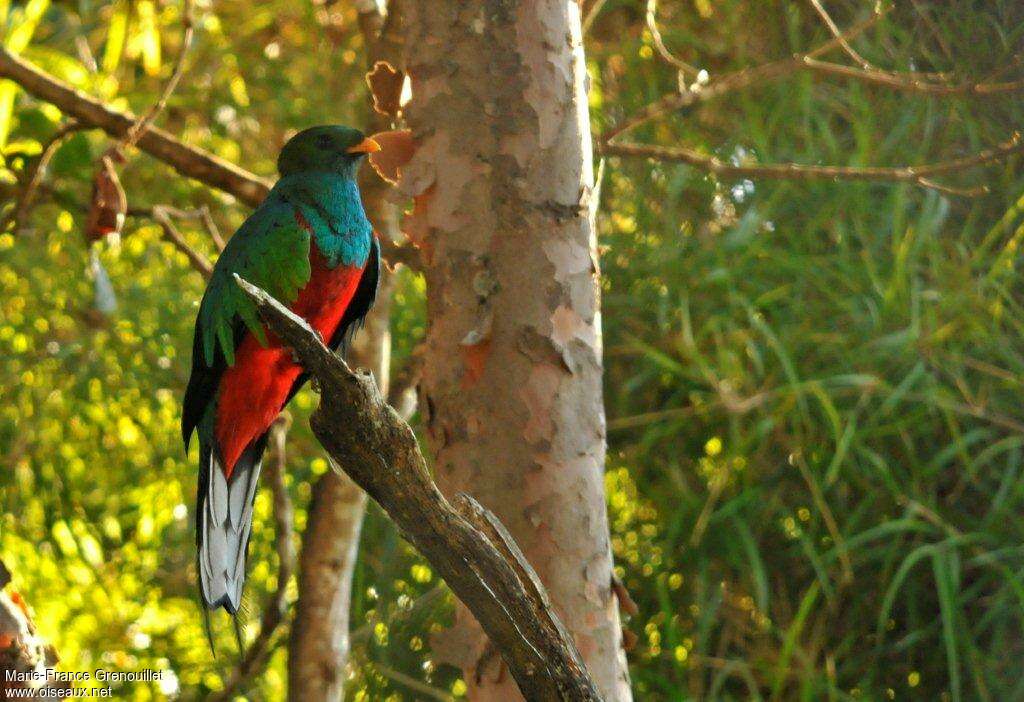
(331,148)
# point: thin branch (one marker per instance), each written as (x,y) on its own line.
(162,216)
(920,175)
(36,172)
(838,35)
(402,393)
(411,682)
(139,128)
(737,80)
(211,228)
(784,68)
(259,651)
(427,599)
(592,12)
(659,43)
(90,112)
(465,544)
(909,82)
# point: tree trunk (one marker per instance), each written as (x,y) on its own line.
(511,387)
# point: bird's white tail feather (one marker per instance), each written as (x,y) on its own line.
(224,523)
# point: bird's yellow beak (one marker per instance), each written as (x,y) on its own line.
(366,146)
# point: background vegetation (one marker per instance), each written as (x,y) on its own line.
(813,388)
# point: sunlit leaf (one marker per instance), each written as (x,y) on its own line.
(117,35)
(149,37)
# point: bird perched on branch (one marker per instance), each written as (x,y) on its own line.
(310,245)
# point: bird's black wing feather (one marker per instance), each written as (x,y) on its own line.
(361,302)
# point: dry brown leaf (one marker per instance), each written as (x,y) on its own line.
(108,204)
(396,150)
(385,82)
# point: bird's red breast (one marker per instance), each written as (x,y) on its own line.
(254,390)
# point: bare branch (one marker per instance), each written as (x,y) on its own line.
(211,228)
(144,122)
(839,37)
(659,43)
(405,254)
(161,214)
(919,175)
(778,70)
(909,82)
(34,176)
(464,542)
(412,683)
(737,80)
(592,12)
(186,160)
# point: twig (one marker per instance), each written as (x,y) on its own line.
(37,171)
(402,393)
(428,598)
(933,28)
(274,613)
(838,35)
(411,682)
(626,602)
(592,12)
(463,542)
(920,175)
(211,228)
(777,70)
(186,160)
(827,517)
(737,80)
(908,82)
(161,215)
(659,43)
(139,128)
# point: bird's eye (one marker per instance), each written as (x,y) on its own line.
(324,141)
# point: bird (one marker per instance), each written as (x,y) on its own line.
(311,246)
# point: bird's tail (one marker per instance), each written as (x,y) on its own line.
(223,523)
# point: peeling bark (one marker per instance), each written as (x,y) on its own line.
(511,388)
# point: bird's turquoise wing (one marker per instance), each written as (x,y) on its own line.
(270,250)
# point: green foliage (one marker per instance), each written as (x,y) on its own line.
(816,466)
(267,254)
(814,387)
